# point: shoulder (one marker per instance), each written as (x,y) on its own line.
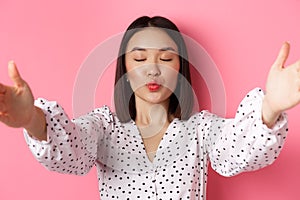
(105,114)
(198,118)
(202,115)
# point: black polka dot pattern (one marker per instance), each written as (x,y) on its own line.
(179,169)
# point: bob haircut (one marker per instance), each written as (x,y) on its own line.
(181,100)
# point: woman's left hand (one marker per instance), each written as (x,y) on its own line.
(282,87)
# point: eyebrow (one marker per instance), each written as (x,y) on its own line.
(162,49)
(138,49)
(167,49)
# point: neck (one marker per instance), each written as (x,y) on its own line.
(151,118)
(147,113)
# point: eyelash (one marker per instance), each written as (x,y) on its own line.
(165,60)
(139,60)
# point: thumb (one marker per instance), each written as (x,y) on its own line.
(282,56)
(14,74)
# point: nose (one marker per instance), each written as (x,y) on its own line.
(153,70)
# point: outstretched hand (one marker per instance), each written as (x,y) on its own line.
(282,87)
(16,102)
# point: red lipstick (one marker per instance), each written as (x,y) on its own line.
(153,87)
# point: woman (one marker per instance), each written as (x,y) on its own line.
(153,147)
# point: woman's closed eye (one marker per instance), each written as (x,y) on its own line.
(166,59)
(140,59)
(144,59)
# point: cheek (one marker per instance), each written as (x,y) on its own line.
(171,82)
(171,76)
(135,77)
(129,65)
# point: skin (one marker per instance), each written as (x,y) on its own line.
(152,58)
(16,106)
(282,89)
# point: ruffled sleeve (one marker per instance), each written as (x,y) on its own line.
(243,143)
(71,145)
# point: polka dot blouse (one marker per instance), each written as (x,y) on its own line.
(179,168)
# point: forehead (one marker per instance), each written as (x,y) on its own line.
(150,37)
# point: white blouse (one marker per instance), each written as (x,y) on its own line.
(179,168)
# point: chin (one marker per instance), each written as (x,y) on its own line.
(156,100)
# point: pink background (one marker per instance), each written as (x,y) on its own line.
(49,41)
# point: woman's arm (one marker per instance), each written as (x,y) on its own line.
(254,138)
(71,145)
(56,141)
(244,143)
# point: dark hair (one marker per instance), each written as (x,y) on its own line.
(181,100)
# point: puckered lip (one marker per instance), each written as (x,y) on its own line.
(153,85)
(153,82)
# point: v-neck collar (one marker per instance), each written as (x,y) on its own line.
(161,143)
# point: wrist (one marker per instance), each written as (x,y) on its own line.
(37,124)
(269,114)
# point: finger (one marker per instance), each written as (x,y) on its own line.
(282,56)
(2,108)
(2,97)
(14,74)
(297,66)
(298,97)
(2,89)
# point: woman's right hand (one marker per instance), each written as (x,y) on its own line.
(17,105)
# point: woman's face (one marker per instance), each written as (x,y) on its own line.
(152,64)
